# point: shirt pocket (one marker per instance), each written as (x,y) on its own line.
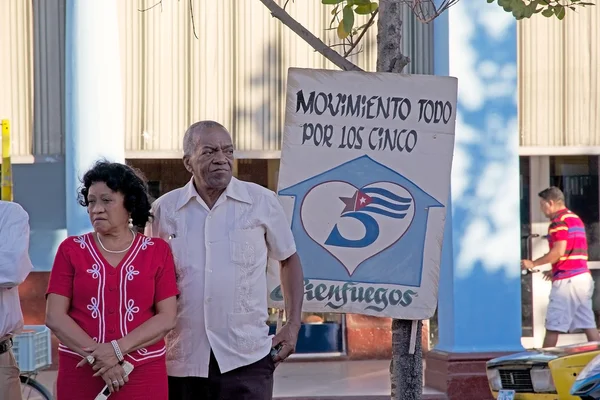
(247,246)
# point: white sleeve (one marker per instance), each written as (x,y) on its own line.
(280,239)
(15,264)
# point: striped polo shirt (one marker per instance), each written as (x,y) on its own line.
(567,226)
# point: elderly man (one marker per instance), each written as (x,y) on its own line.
(15,265)
(222,232)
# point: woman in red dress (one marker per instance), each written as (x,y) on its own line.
(112,294)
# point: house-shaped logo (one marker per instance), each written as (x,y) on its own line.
(362,222)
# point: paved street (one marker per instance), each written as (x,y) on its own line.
(326,380)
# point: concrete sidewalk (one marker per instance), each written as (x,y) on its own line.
(322,380)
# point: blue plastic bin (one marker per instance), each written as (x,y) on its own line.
(33,348)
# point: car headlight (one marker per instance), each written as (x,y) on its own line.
(593,368)
(542,381)
(494,379)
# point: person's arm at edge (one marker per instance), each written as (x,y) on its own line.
(152,330)
(558,250)
(292,282)
(64,327)
(14,248)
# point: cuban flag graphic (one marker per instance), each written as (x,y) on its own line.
(368,205)
(377,200)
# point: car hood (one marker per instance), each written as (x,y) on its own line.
(542,356)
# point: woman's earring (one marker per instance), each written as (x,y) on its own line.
(130,225)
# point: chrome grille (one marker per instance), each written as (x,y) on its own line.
(518,380)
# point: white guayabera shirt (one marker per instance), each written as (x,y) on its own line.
(221,260)
(15,265)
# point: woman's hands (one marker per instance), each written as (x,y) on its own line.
(115,378)
(104,356)
(106,365)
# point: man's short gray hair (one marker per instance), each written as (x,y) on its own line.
(552,194)
(191,134)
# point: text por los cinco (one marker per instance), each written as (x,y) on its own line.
(367,107)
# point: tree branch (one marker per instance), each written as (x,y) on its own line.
(192,17)
(312,40)
(362,34)
(151,7)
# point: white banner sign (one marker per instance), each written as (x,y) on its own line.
(365,178)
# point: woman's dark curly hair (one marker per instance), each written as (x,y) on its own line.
(124,179)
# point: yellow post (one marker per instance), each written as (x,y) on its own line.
(7,192)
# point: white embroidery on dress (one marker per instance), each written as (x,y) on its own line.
(95,271)
(131,309)
(131,272)
(80,240)
(94,307)
(146,241)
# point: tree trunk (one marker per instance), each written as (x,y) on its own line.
(389,37)
(406,370)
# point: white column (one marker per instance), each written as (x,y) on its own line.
(94,100)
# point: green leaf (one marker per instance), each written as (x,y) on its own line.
(335,10)
(331,1)
(348,20)
(361,2)
(368,9)
(559,11)
(342,34)
(490,1)
(548,13)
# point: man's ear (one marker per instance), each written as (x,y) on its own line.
(187,165)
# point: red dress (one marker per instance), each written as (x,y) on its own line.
(109,302)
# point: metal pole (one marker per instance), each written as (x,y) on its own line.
(7,185)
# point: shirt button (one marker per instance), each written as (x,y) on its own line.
(112,271)
(111,311)
(112,288)
(208,299)
(112,330)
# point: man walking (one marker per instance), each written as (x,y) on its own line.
(570,306)
(15,265)
(222,232)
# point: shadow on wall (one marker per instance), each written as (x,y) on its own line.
(259,110)
(40,189)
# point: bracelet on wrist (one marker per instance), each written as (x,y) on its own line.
(117,349)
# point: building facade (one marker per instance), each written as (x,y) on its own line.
(235,71)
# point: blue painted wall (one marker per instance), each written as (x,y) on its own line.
(40,189)
(480,286)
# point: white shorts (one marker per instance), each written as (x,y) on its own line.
(570,306)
